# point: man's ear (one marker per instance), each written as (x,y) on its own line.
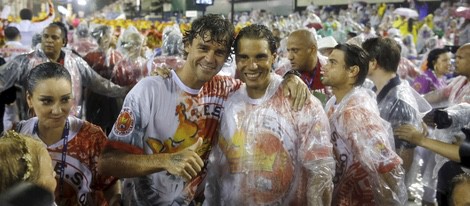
(353,71)
(372,65)
(312,49)
(186,47)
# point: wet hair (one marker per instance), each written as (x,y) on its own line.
(20,159)
(45,71)
(99,32)
(26,14)
(256,31)
(434,55)
(220,29)
(385,51)
(11,33)
(63,30)
(355,56)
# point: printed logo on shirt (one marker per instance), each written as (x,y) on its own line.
(125,122)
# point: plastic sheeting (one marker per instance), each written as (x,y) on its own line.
(268,154)
(133,66)
(17,70)
(368,171)
(172,50)
(82,41)
(460,115)
(403,105)
(172,41)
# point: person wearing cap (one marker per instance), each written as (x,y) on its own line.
(326,45)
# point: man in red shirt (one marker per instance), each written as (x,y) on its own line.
(304,58)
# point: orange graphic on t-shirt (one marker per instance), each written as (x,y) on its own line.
(267,167)
(185,135)
(125,122)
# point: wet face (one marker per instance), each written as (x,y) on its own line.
(46,171)
(205,59)
(462,62)
(334,72)
(254,62)
(442,64)
(52,41)
(300,55)
(51,100)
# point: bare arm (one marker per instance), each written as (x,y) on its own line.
(185,163)
(411,134)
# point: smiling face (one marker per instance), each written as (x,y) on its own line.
(204,60)
(51,100)
(254,63)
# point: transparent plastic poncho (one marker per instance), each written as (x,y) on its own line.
(17,70)
(268,154)
(172,50)
(82,41)
(133,66)
(403,105)
(365,159)
(460,115)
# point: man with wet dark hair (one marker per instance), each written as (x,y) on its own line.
(368,171)
(163,136)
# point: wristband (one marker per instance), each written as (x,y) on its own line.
(292,71)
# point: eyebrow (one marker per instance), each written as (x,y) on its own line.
(65,95)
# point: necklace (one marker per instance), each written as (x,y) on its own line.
(59,168)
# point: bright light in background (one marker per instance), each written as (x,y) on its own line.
(81,2)
(63,10)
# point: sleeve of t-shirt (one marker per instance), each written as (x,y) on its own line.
(129,129)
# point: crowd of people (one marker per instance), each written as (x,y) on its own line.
(333,107)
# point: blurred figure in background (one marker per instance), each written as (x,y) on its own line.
(100,109)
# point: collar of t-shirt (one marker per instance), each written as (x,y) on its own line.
(389,86)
